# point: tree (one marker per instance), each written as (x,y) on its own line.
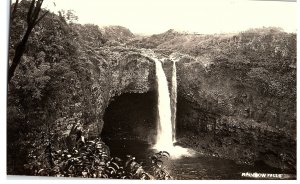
(33,19)
(14,10)
(68,15)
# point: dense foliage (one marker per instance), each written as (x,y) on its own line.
(45,95)
(65,79)
(91,159)
(269,53)
(50,100)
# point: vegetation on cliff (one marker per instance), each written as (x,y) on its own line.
(69,73)
(65,79)
(258,65)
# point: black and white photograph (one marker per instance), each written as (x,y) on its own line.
(152,89)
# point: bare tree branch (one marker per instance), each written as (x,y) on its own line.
(32,20)
(36,11)
(29,14)
(41,17)
(14,10)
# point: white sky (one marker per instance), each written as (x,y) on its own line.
(202,16)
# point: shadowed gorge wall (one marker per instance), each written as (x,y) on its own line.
(221,115)
(131,116)
(236,138)
(192,118)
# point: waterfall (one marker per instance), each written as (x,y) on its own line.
(164,138)
(174,101)
(166,116)
(166,121)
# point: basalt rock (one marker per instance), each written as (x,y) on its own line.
(220,116)
(217,115)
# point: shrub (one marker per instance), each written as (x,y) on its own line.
(91,159)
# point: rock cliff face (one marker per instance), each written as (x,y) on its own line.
(228,120)
(130,72)
(215,115)
(236,93)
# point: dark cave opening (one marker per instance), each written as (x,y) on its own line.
(130,120)
(131,116)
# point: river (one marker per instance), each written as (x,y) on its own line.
(197,167)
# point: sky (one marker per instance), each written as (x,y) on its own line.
(201,16)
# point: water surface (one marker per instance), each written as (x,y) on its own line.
(198,167)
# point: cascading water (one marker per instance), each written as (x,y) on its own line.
(164,138)
(166,122)
(174,100)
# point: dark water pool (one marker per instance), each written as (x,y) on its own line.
(198,167)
